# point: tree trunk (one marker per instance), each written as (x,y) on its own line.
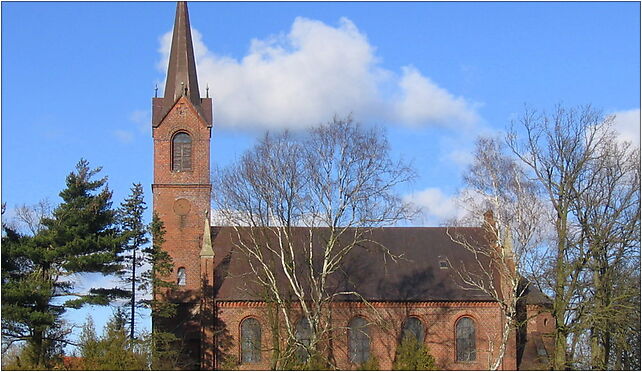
(596,351)
(607,348)
(133,304)
(559,304)
(506,332)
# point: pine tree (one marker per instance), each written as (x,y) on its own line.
(80,237)
(165,353)
(160,268)
(26,294)
(135,236)
(89,345)
(81,234)
(114,350)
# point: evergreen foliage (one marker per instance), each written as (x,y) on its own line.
(114,350)
(19,357)
(161,268)
(158,350)
(26,294)
(371,364)
(80,237)
(165,347)
(413,355)
(229,363)
(314,362)
(135,237)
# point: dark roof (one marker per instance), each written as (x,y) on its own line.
(414,276)
(533,296)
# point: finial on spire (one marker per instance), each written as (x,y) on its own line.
(207,91)
(156,91)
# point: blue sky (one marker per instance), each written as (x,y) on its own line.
(77,80)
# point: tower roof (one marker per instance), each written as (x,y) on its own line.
(181,72)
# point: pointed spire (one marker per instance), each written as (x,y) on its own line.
(206,248)
(181,73)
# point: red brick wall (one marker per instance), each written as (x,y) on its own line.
(540,319)
(438,320)
(183,231)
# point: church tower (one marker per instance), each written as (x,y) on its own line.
(181,129)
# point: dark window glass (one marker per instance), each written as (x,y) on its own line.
(182,152)
(466,348)
(250,341)
(358,340)
(413,327)
(303,334)
(181,276)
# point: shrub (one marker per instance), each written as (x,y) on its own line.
(371,364)
(413,355)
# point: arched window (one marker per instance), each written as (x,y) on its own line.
(250,341)
(303,334)
(182,152)
(181,276)
(413,327)
(358,340)
(466,345)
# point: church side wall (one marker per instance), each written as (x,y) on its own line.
(438,320)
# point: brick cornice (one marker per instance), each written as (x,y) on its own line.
(375,304)
(191,107)
(182,185)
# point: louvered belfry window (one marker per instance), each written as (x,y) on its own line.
(466,345)
(182,152)
(413,327)
(250,341)
(358,340)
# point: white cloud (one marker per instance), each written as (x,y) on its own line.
(124,136)
(438,208)
(313,72)
(460,158)
(435,206)
(422,101)
(142,119)
(627,124)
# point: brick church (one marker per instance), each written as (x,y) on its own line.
(221,312)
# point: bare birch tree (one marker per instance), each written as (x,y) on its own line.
(498,189)
(338,177)
(567,153)
(29,217)
(569,220)
(607,209)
